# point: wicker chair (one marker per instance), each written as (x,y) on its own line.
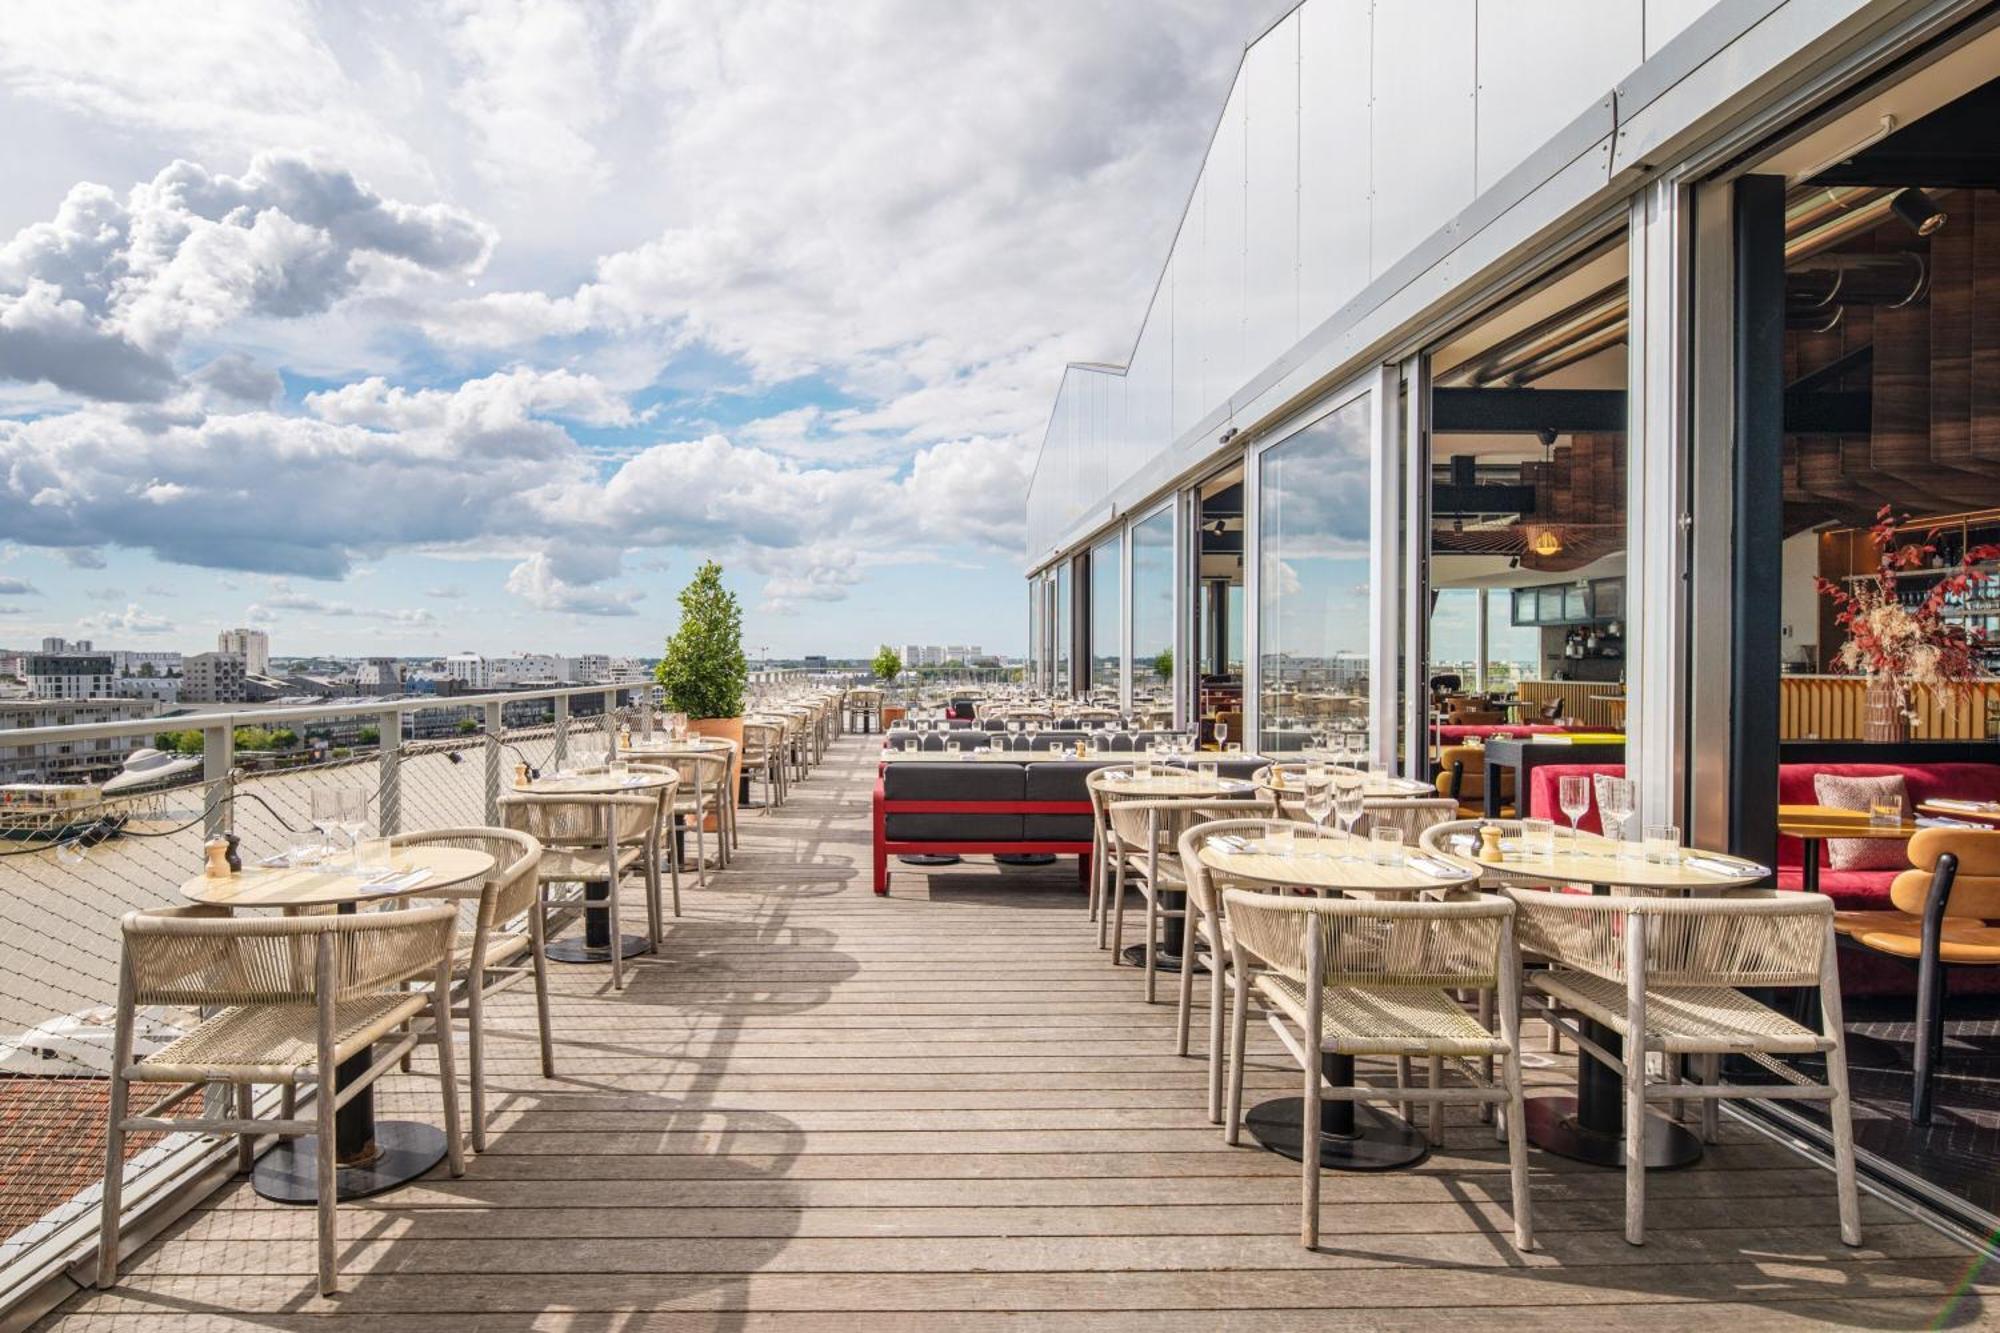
(295,996)
(1673,970)
(596,839)
(1207,924)
(508,920)
(1142,843)
(1363,977)
(1944,913)
(763,758)
(702,794)
(1462,779)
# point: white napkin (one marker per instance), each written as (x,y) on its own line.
(408,879)
(1710,865)
(1424,865)
(1953,803)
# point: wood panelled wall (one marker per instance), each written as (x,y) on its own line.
(1832,708)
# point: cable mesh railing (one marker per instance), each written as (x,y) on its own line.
(67,877)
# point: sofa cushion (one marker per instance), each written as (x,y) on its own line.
(972,781)
(1842,791)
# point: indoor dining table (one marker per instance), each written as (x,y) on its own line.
(370,1155)
(1353,1136)
(1590,1127)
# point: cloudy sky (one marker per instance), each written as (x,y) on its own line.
(478,324)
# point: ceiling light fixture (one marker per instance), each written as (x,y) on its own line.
(1919,210)
(1546,543)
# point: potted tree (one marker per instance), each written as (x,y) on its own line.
(888,665)
(703,671)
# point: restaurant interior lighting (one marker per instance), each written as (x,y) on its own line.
(1919,210)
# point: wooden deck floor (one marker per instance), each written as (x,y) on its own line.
(817,1109)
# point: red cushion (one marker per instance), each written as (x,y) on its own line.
(1544,793)
(1977,782)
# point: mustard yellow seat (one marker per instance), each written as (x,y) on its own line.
(1462,777)
(1946,913)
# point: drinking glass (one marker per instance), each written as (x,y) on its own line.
(353,818)
(1221,732)
(1616,800)
(951,747)
(1885,810)
(1385,846)
(1378,776)
(1234,747)
(325,814)
(1663,843)
(1278,839)
(1348,800)
(1319,803)
(1573,794)
(1210,772)
(1538,839)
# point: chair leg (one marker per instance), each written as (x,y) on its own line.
(327,1173)
(1930,1036)
(114,1181)
(1152,937)
(1184,993)
(655,925)
(1309,1153)
(246,1142)
(1118,913)
(1485,1001)
(1517,1152)
(617,939)
(538,950)
(1239,1024)
(1434,1080)
(1635,1139)
(1711,1107)
(674,863)
(454,1138)
(700,847)
(475,1048)
(1217,990)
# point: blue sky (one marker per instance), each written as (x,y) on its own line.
(480,324)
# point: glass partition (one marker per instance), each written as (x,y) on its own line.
(1064,683)
(1312,577)
(1035,669)
(1153,611)
(1218,602)
(1107,647)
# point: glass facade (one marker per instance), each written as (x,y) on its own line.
(1153,609)
(1313,581)
(1065,632)
(1107,623)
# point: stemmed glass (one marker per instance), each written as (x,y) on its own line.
(1616,801)
(1318,805)
(1221,733)
(1348,799)
(353,807)
(325,815)
(1573,794)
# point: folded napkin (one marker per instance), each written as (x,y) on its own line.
(1954,803)
(1714,866)
(398,883)
(1425,865)
(1939,821)
(1228,842)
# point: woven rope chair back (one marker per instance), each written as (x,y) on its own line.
(761,740)
(580,823)
(515,856)
(1205,886)
(1375,942)
(194,961)
(1411,814)
(1132,820)
(1763,937)
(1975,888)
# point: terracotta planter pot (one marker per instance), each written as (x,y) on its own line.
(729,729)
(1883,722)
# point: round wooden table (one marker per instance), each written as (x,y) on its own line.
(1976,812)
(1814,824)
(1353,1137)
(1590,1127)
(595,946)
(370,1155)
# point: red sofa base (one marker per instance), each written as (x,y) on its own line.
(884,849)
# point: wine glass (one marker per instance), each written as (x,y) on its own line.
(1221,733)
(325,814)
(353,806)
(1318,805)
(1573,795)
(1348,800)
(1616,801)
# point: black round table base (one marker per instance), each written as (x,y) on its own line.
(1553,1127)
(405,1149)
(928,859)
(576,951)
(1026,858)
(1134,955)
(1378,1142)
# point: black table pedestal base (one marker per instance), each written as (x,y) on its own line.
(1351,1138)
(1134,955)
(1026,858)
(582,951)
(929,859)
(403,1150)
(1553,1127)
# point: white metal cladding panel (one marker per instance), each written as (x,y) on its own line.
(1270,84)
(1423,123)
(1189,404)
(1535,78)
(1667,19)
(1335,54)
(1223,364)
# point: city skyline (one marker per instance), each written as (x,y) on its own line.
(488,330)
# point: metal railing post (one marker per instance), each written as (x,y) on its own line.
(493,724)
(560,752)
(611,722)
(218,756)
(389,790)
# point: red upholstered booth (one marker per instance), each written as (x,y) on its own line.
(1544,787)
